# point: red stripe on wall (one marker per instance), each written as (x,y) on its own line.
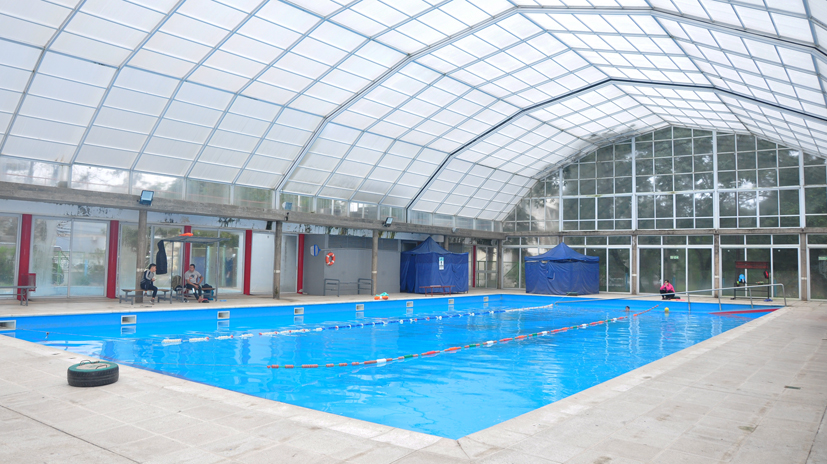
(248,259)
(112,267)
(25,251)
(474,268)
(300,267)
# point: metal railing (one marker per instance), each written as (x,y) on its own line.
(718,290)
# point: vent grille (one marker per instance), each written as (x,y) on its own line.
(409,304)
(360,307)
(130,319)
(298,310)
(8,325)
(223,314)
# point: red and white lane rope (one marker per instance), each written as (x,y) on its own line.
(457,348)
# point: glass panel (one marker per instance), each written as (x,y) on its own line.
(674,268)
(729,274)
(163,186)
(511,268)
(174,252)
(699,276)
(8,252)
(253,197)
(88,275)
(260,280)
(208,192)
(127,257)
(100,179)
(785,271)
(600,253)
(619,261)
(818,273)
(650,270)
(754,276)
(50,256)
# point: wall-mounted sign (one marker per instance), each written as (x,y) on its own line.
(674,257)
(315,250)
(441,263)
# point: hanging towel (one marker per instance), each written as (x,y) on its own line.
(161,259)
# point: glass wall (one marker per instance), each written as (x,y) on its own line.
(817,245)
(69,257)
(676,178)
(780,251)
(229,274)
(8,252)
(686,262)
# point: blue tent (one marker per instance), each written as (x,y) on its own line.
(430,264)
(562,270)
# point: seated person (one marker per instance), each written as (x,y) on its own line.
(667,291)
(148,281)
(192,281)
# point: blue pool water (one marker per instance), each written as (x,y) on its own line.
(451,394)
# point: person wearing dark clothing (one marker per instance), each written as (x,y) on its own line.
(193,279)
(148,282)
(667,291)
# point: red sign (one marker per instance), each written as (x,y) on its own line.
(752,265)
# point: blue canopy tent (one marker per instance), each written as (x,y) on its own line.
(430,264)
(562,270)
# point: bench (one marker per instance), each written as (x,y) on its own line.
(23,292)
(129,295)
(431,289)
(336,284)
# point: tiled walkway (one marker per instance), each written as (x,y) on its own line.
(724,400)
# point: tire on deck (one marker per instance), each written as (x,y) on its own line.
(92,374)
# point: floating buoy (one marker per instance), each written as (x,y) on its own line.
(666,310)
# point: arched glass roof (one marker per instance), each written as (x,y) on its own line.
(453,107)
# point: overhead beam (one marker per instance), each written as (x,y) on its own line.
(68,196)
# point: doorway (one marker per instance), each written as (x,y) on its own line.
(486,267)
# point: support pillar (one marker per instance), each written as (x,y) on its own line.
(804,291)
(446,242)
(499,259)
(25,252)
(112,262)
(633,280)
(277,262)
(187,249)
(300,266)
(374,263)
(716,264)
(141,258)
(248,259)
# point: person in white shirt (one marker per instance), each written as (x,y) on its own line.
(193,281)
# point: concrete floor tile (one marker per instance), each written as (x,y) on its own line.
(380,454)
(553,450)
(210,412)
(238,444)
(167,424)
(247,420)
(407,439)
(447,447)
(497,437)
(360,428)
(283,430)
(711,448)
(678,457)
(118,436)
(285,454)
(627,449)
(425,457)
(331,443)
(153,448)
(202,433)
(89,424)
(476,450)
(600,457)
(510,456)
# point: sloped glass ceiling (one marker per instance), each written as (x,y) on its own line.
(448,107)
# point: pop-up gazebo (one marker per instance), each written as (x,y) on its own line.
(429,264)
(562,270)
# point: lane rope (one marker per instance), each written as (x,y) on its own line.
(455,349)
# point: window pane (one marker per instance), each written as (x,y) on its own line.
(8,251)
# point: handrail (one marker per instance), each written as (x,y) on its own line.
(717,290)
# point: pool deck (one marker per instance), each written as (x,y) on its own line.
(725,400)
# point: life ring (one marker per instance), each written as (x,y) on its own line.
(330,258)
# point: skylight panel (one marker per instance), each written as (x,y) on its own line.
(505,62)
(359,23)
(594,42)
(194,30)
(442,22)
(497,36)
(755,19)
(572,40)
(212,13)
(475,46)
(288,16)
(302,66)
(337,36)
(485,70)
(401,42)
(623,24)
(421,31)
(465,12)
(454,55)
(796,59)
(268,33)
(691,8)
(380,12)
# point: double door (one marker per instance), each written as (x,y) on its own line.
(687,269)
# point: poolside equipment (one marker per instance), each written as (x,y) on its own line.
(92,373)
(430,264)
(562,270)
(330,259)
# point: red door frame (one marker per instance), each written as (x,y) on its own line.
(112,265)
(25,252)
(248,259)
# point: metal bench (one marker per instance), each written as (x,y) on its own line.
(130,293)
(22,292)
(336,284)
